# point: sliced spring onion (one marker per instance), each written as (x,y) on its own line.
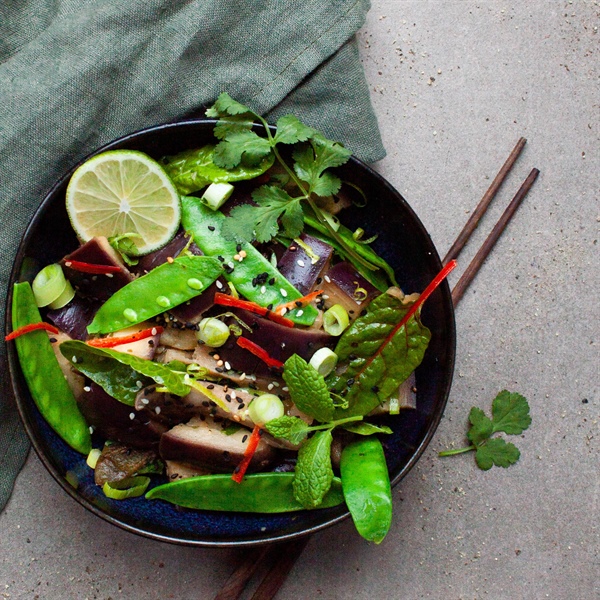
(332,220)
(335,320)
(216,194)
(265,408)
(64,299)
(48,284)
(132,487)
(213,332)
(394,406)
(93,457)
(324,361)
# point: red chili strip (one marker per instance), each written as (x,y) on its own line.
(111,342)
(298,303)
(413,309)
(249,452)
(84,267)
(33,327)
(225,300)
(261,353)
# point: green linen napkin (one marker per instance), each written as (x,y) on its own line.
(75,74)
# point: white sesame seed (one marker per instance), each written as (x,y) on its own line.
(283,292)
(219,284)
(276,383)
(233,395)
(263,289)
(242,376)
(139,384)
(145,401)
(283,311)
(87,388)
(327,278)
(300,313)
(227,366)
(132,416)
(74,359)
(285,389)
(91,428)
(231,265)
(109,275)
(154,331)
(270,387)
(300,262)
(157,410)
(325,297)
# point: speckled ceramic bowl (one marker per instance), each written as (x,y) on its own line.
(402,241)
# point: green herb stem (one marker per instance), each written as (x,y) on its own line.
(457,451)
(333,424)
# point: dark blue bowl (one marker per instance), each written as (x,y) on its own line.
(402,241)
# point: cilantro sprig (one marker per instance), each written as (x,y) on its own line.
(510,414)
(277,211)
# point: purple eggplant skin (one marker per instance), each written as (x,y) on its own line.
(171,250)
(74,318)
(97,252)
(112,419)
(296,265)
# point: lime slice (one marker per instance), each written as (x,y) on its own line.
(124,191)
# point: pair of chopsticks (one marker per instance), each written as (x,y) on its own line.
(279,559)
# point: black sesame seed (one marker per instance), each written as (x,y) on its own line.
(205,403)
(241,405)
(375,389)
(220,258)
(52,340)
(350,382)
(228,397)
(211,228)
(238,248)
(319,280)
(244,438)
(219,369)
(210,386)
(272,281)
(212,403)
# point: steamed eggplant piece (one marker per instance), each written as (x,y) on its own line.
(181,339)
(162,255)
(74,378)
(300,268)
(170,409)
(203,443)
(406,394)
(342,284)
(179,470)
(97,252)
(118,462)
(145,348)
(113,419)
(74,318)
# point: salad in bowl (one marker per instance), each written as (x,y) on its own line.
(214,346)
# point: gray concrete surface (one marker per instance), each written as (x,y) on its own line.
(454,84)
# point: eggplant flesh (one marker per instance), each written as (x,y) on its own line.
(202,443)
(74,318)
(118,462)
(97,251)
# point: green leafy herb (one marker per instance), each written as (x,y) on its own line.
(295,430)
(277,211)
(510,414)
(313,474)
(308,389)
(125,245)
(367,428)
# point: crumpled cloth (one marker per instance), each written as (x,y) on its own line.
(75,74)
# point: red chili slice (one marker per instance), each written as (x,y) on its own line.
(298,303)
(260,352)
(225,300)
(111,342)
(32,327)
(84,267)
(241,469)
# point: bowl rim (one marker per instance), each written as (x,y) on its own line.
(13,362)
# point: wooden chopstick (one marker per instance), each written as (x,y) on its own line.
(282,557)
(481,208)
(474,266)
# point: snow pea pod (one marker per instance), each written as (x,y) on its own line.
(45,380)
(367,489)
(257,493)
(254,277)
(164,287)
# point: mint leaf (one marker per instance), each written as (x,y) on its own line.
(481,426)
(313,473)
(496,452)
(290,130)
(308,389)
(367,428)
(242,144)
(292,429)
(510,413)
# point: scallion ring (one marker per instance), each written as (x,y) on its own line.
(49,284)
(93,457)
(213,332)
(132,487)
(265,408)
(324,361)
(335,320)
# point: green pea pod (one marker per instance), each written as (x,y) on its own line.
(164,287)
(205,225)
(367,489)
(44,377)
(257,493)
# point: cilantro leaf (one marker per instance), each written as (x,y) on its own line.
(290,130)
(308,389)
(496,452)
(313,474)
(481,426)
(313,159)
(241,144)
(510,413)
(226,105)
(292,429)
(240,227)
